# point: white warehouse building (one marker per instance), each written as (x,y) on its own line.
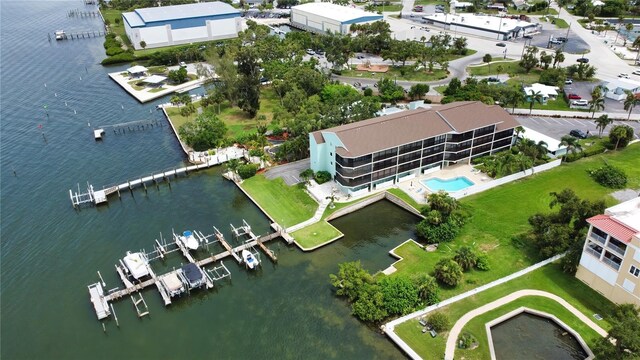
(321,17)
(181,24)
(494,27)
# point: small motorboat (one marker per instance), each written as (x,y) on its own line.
(136,263)
(60,35)
(250,261)
(189,240)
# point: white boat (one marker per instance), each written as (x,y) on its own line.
(249,259)
(60,35)
(136,263)
(189,240)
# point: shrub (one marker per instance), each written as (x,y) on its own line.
(322,177)
(448,271)
(466,341)
(482,262)
(439,321)
(368,92)
(247,171)
(609,176)
(370,304)
(620,135)
(119,58)
(256,152)
(400,295)
(466,258)
(428,289)
(437,233)
(114,50)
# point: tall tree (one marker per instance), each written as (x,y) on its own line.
(622,341)
(602,122)
(514,97)
(571,143)
(597,101)
(534,97)
(249,80)
(558,57)
(630,102)
(487,59)
(529,59)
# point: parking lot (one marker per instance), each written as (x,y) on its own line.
(559,127)
(584,89)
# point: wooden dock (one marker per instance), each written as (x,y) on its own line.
(101,301)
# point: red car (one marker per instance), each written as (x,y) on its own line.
(574,97)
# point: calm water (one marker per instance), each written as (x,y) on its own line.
(455,184)
(50,252)
(528,336)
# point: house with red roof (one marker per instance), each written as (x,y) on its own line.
(610,262)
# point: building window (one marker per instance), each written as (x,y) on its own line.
(330,154)
(634,271)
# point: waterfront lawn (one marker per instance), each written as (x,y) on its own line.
(117,28)
(406,198)
(549,278)
(476,326)
(287,205)
(499,214)
(316,234)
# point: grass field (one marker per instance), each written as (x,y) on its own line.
(287,205)
(500,213)
(237,121)
(316,234)
(118,28)
(549,278)
(393,7)
(508,67)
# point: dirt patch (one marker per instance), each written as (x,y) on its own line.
(372,68)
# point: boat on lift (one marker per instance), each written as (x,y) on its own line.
(60,35)
(249,260)
(137,264)
(189,240)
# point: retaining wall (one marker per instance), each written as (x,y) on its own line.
(375,198)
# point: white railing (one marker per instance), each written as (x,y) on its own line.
(598,238)
(611,263)
(503,180)
(593,252)
(616,248)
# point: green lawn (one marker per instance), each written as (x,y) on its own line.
(395,72)
(287,205)
(316,234)
(560,23)
(476,327)
(549,278)
(388,8)
(500,213)
(508,67)
(558,104)
(118,28)
(404,196)
(237,121)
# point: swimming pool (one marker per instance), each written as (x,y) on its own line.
(450,185)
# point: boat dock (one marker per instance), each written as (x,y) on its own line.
(125,127)
(177,281)
(62,35)
(96,197)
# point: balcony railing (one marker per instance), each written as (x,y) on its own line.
(593,252)
(598,238)
(616,248)
(611,263)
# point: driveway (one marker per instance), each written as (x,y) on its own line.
(290,172)
(559,127)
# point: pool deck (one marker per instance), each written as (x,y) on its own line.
(418,191)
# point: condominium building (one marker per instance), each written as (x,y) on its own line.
(370,154)
(610,261)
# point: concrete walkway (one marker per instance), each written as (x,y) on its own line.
(576,114)
(388,328)
(459,325)
(316,217)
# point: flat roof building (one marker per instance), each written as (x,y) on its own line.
(323,17)
(499,28)
(610,261)
(617,89)
(547,92)
(181,24)
(554,146)
(364,155)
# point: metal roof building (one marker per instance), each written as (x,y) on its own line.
(323,17)
(181,24)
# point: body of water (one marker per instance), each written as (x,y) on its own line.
(53,94)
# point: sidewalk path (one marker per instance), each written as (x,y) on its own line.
(459,325)
(388,328)
(575,114)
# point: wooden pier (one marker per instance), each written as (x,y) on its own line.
(89,34)
(96,197)
(81,14)
(102,301)
(125,127)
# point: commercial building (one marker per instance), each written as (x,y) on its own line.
(610,262)
(378,152)
(181,24)
(324,17)
(617,89)
(499,28)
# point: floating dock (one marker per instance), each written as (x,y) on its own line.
(178,281)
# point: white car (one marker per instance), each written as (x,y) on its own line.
(582,102)
(636,72)
(623,76)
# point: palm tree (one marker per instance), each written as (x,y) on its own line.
(534,97)
(514,98)
(597,101)
(232,167)
(571,143)
(558,57)
(620,21)
(630,102)
(636,44)
(522,161)
(602,122)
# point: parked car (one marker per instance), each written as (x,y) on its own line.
(568,82)
(359,56)
(310,51)
(555,41)
(574,97)
(581,102)
(493,79)
(501,44)
(183,64)
(528,37)
(583,60)
(320,52)
(636,72)
(623,75)
(578,134)
(439,11)
(562,38)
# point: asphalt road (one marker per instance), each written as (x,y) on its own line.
(559,127)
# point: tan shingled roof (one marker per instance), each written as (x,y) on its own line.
(384,132)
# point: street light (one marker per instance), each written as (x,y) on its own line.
(505,53)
